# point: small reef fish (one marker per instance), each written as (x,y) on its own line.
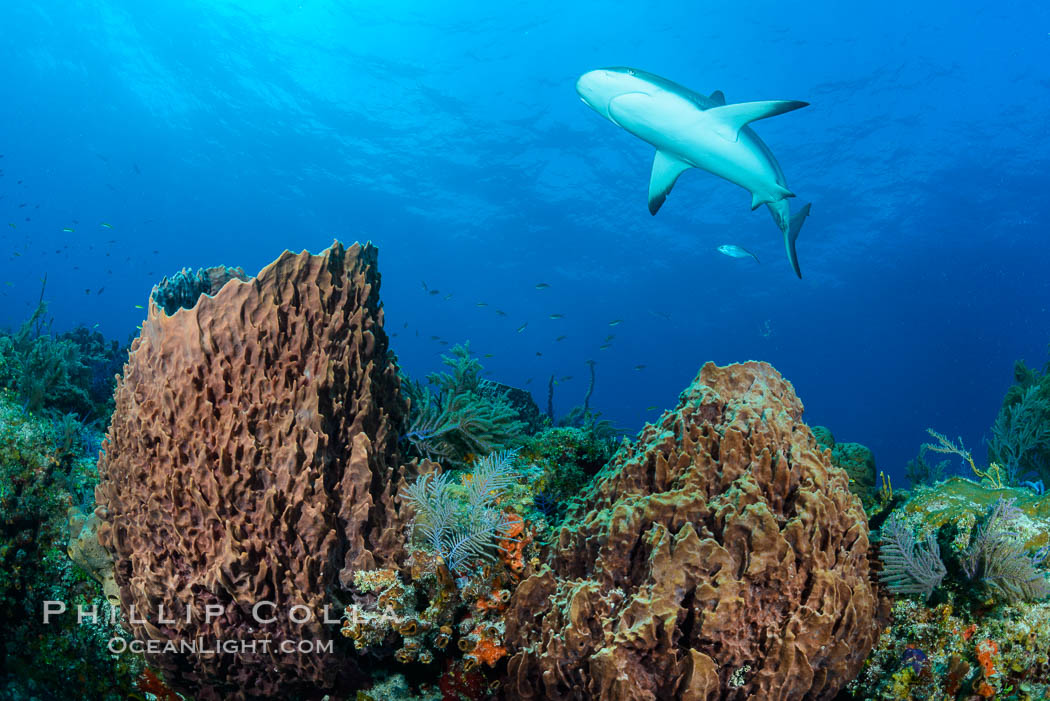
(565,379)
(557,316)
(560,338)
(104,225)
(139,306)
(448,296)
(500,312)
(604,346)
(522,327)
(650,408)
(639,367)
(615,322)
(68,229)
(435,338)
(542,285)
(481,304)
(734,251)
(435,292)
(489,355)
(100,290)
(538,354)
(424,283)
(610,337)
(11,225)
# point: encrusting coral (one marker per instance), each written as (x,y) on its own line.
(720,556)
(253,458)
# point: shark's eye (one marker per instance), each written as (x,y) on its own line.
(630,71)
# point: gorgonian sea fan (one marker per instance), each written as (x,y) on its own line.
(909,567)
(462,532)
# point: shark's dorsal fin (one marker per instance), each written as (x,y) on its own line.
(730,119)
(718,97)
(666,169)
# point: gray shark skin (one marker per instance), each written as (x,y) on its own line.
(689,130)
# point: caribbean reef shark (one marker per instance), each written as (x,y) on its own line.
(690,130)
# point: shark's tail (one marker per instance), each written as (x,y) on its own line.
(790,225)
(791,235)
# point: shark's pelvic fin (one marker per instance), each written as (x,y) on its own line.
(730,119)
(791,235)
(779,194)
(666,170)
(718,97)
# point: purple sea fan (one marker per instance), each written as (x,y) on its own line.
(909,567)
(996,555)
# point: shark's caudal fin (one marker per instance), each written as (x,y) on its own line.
(791,235)
(730,119)
(666,170)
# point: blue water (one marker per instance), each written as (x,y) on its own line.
(450,134)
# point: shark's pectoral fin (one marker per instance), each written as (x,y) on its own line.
(718,97)
(666,169)
(728,120)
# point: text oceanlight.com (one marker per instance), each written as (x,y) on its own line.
(263,612)
(215,647)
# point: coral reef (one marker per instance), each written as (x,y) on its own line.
(68,373)
(921,471)
(252,457)
(961,504)
(463,533)
(523,403)
(445,610)
(184,288)
(909,567)
(40,480)
(84,549)
(1021,437)
(567,459)
(721,555)
(857,460)
(463,416)
(984,634)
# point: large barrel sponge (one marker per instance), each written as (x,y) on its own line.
(720,556)
(253,457)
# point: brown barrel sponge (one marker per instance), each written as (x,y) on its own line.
(719,556)
(252,457)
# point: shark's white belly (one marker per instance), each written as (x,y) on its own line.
(680,128)
(743,162)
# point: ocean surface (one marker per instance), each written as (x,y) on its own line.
(139,138)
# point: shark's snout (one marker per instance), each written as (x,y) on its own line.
(593,87)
